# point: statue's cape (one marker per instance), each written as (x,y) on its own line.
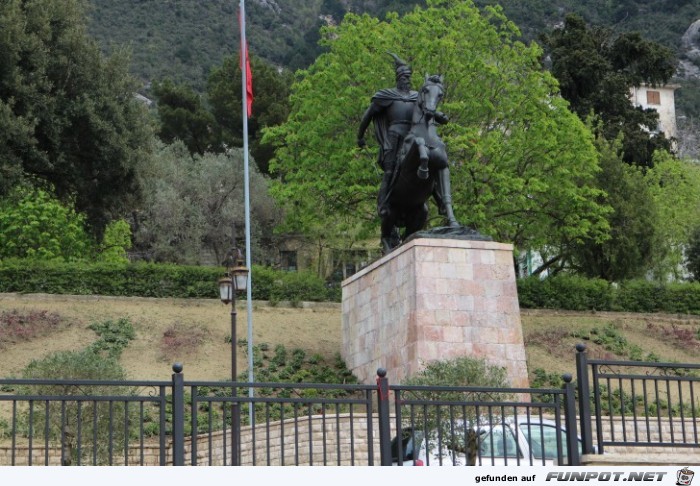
(393,94)
(385,97)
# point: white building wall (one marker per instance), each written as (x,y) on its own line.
(666,106)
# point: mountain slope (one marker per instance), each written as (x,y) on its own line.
(181,39)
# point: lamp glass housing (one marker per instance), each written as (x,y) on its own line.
(240,278)
(226,290)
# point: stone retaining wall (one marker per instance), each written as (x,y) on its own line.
(343,440)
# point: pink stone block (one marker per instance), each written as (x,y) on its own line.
(452,334)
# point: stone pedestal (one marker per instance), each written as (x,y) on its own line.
(434,299)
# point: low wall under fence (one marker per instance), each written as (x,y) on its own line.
(624,409)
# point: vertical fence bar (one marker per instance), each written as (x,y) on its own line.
(46,433)
(195,430)
(584,393)
(94,432)
(162,404)
(111,433)
(570,421)
(598,408)
(66,438)
(79,433)
(178,416)
(31,429)
(383,409)
(14,431)
(126,432)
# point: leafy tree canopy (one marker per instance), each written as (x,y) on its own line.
(270,106)
(523,164)
(35,225)
(183,117)
(630,250)
(68,117)
(192,203)
(596,69)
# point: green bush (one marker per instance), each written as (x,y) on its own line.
(577,293)
(101,423)
(114,336)
(154,280)
(457,432)
(565,292)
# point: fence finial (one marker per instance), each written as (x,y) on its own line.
(580,347)
(177,367)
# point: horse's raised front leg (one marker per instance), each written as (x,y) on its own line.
(423,172)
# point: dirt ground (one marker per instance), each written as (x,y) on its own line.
(316,329)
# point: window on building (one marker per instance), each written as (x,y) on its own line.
(653,98)
(288,261)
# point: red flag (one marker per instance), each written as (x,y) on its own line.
(248,72)
(248,80)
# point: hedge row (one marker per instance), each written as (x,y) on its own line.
(575,293)
(166,280)
(155,280)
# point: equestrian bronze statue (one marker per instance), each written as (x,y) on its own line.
(412,155)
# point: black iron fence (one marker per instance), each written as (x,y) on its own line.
(633,403)
(629,404)
(56,422)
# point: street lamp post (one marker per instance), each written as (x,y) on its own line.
(236,280)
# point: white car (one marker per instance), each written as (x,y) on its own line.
(512,441)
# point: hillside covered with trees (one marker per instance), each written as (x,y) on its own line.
(182,40)
(540,158)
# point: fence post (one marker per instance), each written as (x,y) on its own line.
(178,416)
(584,393)
(384,418)
(570,421)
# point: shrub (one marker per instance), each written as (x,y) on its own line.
(153,280)
(35,225)
(576,293)
(457,435)
(17,326)
(179,340)
(101,424)
(114,336)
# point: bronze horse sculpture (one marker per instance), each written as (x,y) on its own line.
(420,160)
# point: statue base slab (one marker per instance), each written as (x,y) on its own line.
(431,299)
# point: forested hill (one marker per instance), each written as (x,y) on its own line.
(183,39)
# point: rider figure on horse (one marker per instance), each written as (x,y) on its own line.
(391,110)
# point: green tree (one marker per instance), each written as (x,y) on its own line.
(522,163)
(630,250)
(35,225)
(596,69)
(183,116)
(675,188)
(270,107)
(192,203)
(68,116)
(115,242)
(692,255)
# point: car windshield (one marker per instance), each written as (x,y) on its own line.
(543,440)
(499,442)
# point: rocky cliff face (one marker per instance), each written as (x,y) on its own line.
(690,52)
